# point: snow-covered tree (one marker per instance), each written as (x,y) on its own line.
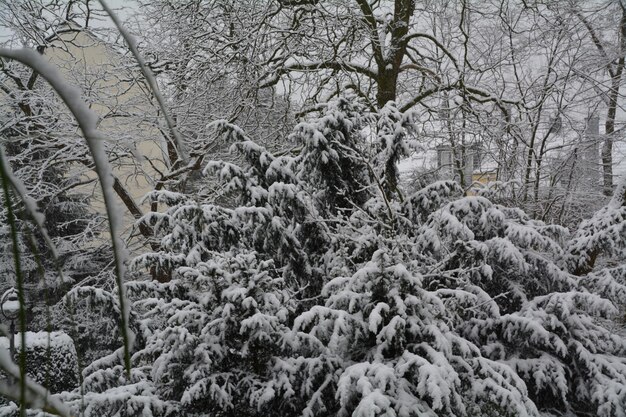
(319,293)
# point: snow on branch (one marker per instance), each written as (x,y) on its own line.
(87,121)
(132,45)
(29,204)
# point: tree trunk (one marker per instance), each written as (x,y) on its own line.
(387,86)
(607,161)
(389,65)
(616,78)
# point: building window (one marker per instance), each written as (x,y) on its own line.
(444,156)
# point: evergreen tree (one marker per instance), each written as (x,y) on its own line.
(322,292)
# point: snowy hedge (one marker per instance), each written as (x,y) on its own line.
(50,359)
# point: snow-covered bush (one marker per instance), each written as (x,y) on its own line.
(50,359)
(324,291)
(602,234)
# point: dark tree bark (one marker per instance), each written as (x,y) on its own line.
(615,70)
